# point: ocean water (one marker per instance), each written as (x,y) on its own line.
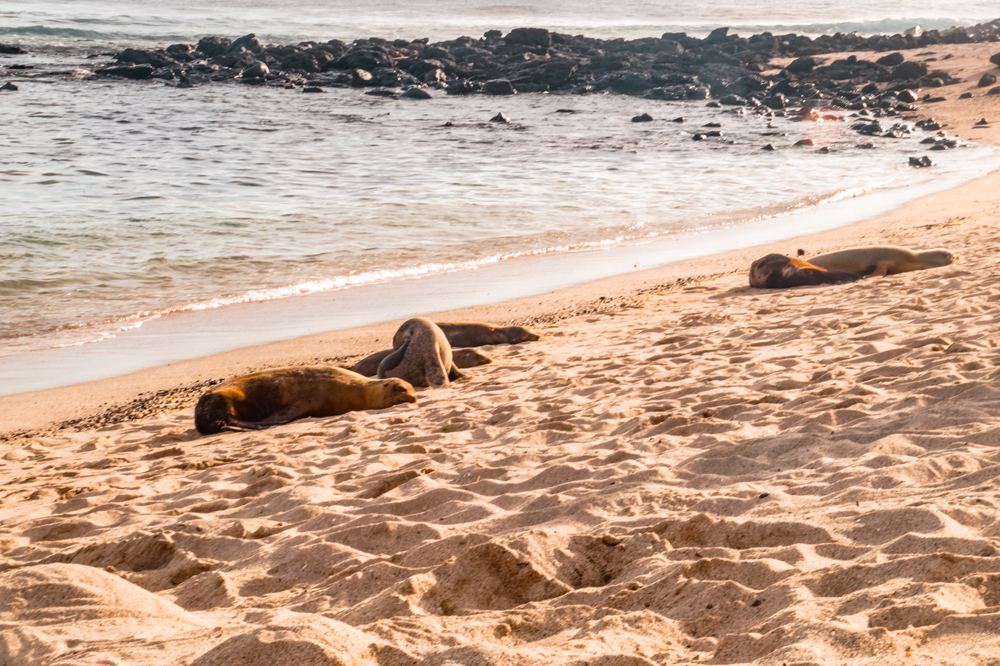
(123,202)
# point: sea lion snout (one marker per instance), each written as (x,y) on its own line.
(523,335)
(400,391)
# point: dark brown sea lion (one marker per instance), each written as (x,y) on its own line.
(472,334)
(462,358)
(421,355)
(776,271)
(882,260)
(273,397)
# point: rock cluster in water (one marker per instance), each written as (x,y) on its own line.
(672,67)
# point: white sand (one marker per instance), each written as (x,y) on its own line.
(708,473)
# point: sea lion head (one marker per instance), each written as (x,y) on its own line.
(520,334)
(397,391)
(937,257)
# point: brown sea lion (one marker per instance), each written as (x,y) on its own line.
(472,334)
(776,271)
(462,358)
(882,260)
(273,397)
(421,355)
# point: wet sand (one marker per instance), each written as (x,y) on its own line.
(683,469)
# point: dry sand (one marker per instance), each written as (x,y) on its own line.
(699,473)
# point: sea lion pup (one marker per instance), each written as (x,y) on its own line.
(472,334)
(882,260)
(462,358)
(776,271)
(273,397)
(421,355)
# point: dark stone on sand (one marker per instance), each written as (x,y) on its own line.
(907,96)
(417,93)
(967,95)
(732,100)
(824,150)
(995,59)
(680,119)
(805,142)
(866,146)
(713,105)
(921,162)
(258,70)
(908,71)
(498,87)
(643,118)
(698,137)
(136,72)
(500,118)
(891,60)
(769,147)
(987,80)
(213,46)
(802,65)
(9,87)
(529,37)
(935,100)
(980,123)
(993,91)
(312,89)
(10,49)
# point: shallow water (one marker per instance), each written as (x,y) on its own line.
(123,201)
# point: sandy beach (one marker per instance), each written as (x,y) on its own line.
(682,470)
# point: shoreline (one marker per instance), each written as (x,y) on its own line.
(28,412)
(176,385)
(182,336)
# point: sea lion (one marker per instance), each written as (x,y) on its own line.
(882,260)
(776,271)
(462,358)
(273,397)
(472,334)
(421,355)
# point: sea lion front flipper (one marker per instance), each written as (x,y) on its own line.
(881,269)
(393,359)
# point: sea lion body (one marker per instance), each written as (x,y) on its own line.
(776,271)
(421,355)
(273,397)
(462,358)
(473,334)
(882,260)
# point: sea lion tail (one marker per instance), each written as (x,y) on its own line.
(392,360)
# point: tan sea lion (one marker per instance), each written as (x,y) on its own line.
(882,260)
(421,355)
(776,271)
(273,397)
(462,358)
(472,334)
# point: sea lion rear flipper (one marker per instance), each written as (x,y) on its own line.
(392,360)
(454,374)
(435,373)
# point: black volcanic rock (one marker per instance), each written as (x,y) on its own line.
(891,60)
(213,46)
(643,118)
(498,87)
(802,65)
(908,71)
(136,72)
(529,37)
(987,80)
(10,49)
